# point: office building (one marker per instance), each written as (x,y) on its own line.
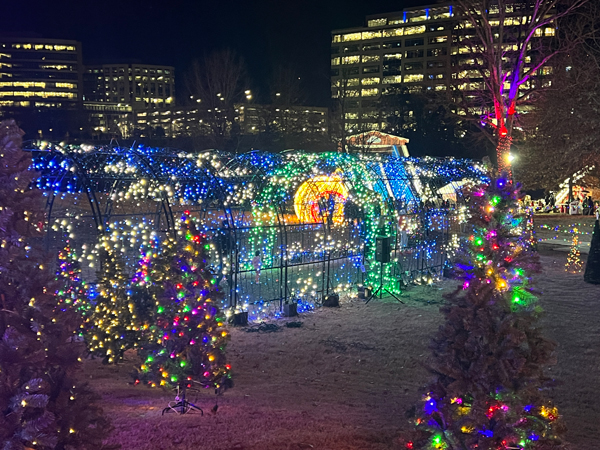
(143,86)
(415,50)
(40,73)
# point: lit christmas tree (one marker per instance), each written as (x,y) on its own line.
(574,263)
(111,326)
(72,290)
(489,353)
(186,343)
(147,285)
(42,406)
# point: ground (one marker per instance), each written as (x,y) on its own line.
(345,378)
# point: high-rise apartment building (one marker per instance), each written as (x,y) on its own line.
(410,48)
(417,49)
(143,86)
(40,73)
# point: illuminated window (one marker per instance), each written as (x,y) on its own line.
(335,61)
(371,34)
(395,79)
(413,77)
(438,39)
(440,87)
(392,56)
(337,38)
(371,69)
(549,32)
(371,47)
(546,70)
(377,22)
(393,32)
(434,52)
(370,80)
(414,30)
(420,18)
(349,82)
(370,92)
(509,21)
(351,37)
(441,13)
(352,93)
(23,84)
(56,67)
(351,115)
(354,59)
(395,21)
(66,85)
(392,44)
(370,58)
(43,94)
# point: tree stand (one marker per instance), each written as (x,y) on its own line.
(381,289)
(182,406)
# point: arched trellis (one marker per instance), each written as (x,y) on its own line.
(247,203)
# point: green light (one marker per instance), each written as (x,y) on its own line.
(182,363)
(437,440)
(160,309)
(495,200)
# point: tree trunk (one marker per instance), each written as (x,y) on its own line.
(502,154)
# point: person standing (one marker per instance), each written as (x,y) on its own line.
(257,264)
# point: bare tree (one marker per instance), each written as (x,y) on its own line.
(564,128)
(286,86)
(505,47)
(215,84)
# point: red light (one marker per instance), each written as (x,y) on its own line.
(410,445)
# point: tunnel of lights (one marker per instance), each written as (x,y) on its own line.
(313,217)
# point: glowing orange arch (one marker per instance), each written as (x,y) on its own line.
(315,193)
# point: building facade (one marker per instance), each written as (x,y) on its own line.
(250,119)
(143,86)
(414,50)
(40,73)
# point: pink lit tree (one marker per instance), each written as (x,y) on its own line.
(505,48)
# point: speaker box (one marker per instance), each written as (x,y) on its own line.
(382,249)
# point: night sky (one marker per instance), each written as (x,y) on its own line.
(175,32)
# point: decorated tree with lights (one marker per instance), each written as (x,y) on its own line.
(488,386)
(42,406)
(186,342)
(112,326)
(147,285)
(71,290)
(574,263)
